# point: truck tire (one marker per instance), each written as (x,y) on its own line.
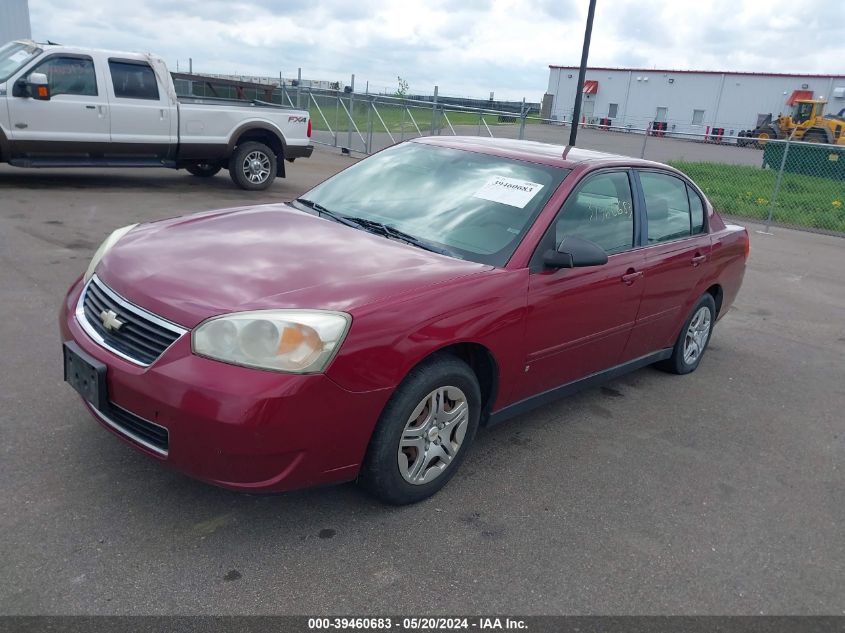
(203,170)
(814,136)
(764,135)
(253,166)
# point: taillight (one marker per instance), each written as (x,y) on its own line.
(309,128)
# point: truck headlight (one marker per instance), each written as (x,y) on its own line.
(105,247)
(293,341)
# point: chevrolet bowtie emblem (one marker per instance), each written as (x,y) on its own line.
(110,320)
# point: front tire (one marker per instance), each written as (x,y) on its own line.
(764,135)
(253,166)
(693,339)
(424,432)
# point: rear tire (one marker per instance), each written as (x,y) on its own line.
(203,170)
(693,339)
(814,136)
(424,432)
(253,166)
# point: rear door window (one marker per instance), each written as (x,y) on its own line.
(133,80)
(696,211)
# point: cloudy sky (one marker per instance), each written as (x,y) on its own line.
(467,47)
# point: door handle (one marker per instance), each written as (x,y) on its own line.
(90,107)
(631,276)
(698,259)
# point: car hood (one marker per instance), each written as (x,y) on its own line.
(191,268)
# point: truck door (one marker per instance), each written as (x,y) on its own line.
(73,123)
(141,107)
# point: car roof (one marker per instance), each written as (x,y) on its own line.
(534,151)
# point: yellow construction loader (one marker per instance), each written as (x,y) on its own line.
(806,122)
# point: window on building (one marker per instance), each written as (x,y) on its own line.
(698,117)
(133,80)
(69,76)
(612,110)
(661,115)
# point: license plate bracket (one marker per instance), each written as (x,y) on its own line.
(86,375)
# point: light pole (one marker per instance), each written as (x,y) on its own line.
(579,89)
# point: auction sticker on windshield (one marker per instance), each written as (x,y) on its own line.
(510,191)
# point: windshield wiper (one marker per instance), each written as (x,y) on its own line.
(387,230)
(372,226)
(323,211)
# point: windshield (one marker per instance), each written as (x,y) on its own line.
(469,205)
(13,56)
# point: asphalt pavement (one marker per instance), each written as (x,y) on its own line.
(721,492)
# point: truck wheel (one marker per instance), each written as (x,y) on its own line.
(814,136)
(203,170)
(424,432)
(253,166)
(763,135)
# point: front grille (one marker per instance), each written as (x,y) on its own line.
(135,428)
(141,337)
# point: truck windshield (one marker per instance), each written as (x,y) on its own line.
(469,205)
(13,56)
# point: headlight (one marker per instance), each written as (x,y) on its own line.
(105,247)
(294,341)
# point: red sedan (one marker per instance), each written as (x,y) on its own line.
(367,329)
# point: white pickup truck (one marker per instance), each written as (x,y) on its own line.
(62,106)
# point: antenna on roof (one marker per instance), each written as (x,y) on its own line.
(53,43)
(566,150)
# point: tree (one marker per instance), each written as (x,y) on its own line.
(402,90)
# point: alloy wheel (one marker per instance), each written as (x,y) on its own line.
(697,335)
(256,167)
(433,435)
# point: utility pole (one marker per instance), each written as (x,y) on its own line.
(579,89)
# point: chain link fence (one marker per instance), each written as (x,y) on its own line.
(795,184)
(779,182)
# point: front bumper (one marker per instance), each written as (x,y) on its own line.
(232,426)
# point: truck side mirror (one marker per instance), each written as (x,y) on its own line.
(39,87)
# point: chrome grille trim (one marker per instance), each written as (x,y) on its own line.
(131,435)
(133,312)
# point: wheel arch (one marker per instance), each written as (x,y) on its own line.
(5,154)
(261,132)
(718,297)
(483,364)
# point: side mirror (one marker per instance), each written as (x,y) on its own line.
(39,87)
(575,252)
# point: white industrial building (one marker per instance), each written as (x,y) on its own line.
(687,101)
(14,20)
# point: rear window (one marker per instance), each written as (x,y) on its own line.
(133,80)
